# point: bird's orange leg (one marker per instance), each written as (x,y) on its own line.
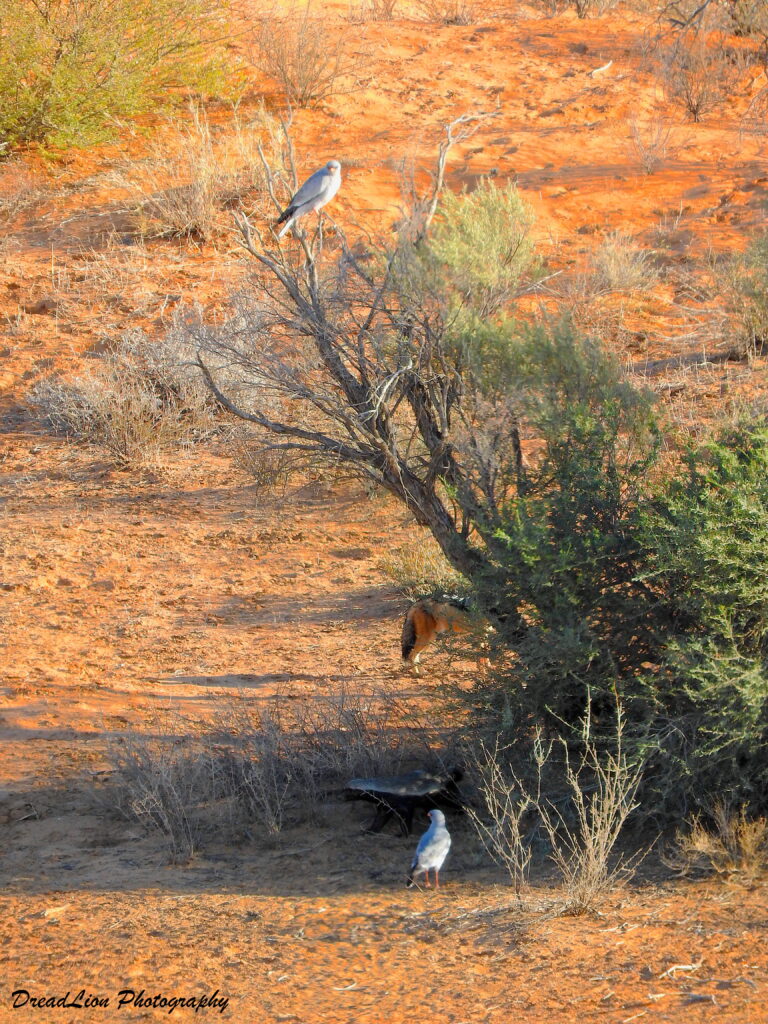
(437,880)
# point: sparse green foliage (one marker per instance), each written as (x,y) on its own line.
(420,568)
(69,68)
(481,241)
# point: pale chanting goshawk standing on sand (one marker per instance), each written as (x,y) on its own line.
(432,849)
(316,191)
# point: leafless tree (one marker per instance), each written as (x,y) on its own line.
(348,352)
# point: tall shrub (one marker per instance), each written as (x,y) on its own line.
(68,68)
(706,543)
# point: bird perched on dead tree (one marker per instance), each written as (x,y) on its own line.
(317,190)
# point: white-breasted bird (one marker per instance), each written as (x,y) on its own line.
(432,849)
(317,190)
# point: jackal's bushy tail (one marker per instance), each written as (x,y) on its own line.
(409,635)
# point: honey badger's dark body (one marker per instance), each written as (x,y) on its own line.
(401,796)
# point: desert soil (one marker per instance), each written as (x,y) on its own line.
(134,598)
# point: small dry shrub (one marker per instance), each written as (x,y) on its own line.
(266,776)
(302,52)
(143,398)
(620,265)
(377,10)
(449,12)
(582,826)
(584,8)
(379,733)
(550,8)
(503,823)
(583,836)
(266,767)
(420,567)
(212,174)
(652,142)
(271,469)
(733,844)
(165,782)
(697,67)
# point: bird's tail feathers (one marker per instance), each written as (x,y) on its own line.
(412,873)
(284,230)
(287,212)
(409,636)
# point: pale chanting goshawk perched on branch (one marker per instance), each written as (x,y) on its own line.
(432,850)
(316,191)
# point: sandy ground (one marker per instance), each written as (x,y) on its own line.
(130,598)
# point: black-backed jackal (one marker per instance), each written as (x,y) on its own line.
(430,616)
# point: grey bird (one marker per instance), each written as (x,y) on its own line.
(432,850)
(317,190)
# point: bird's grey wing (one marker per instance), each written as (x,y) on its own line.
(438,849)
(316,185)
(443,843)
(424,842)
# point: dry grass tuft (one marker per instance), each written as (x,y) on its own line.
(20,190)
(212,174)
(447,12)
(144,397)
(419,567)
(734,844)
(620,265)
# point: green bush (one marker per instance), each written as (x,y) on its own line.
(564,551)
(621,578)
(481,240)
(706,543)
(68,68)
